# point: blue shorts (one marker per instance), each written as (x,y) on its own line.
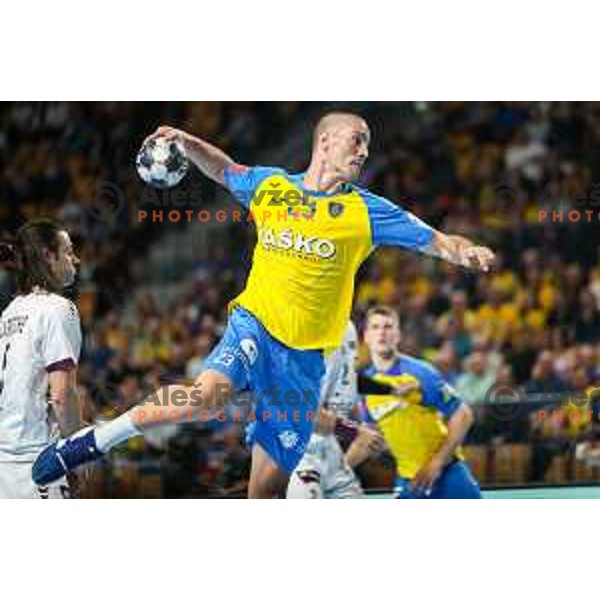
(455,482)
(284,385)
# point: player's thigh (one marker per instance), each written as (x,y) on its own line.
(16,483)
(267,479)
(288,384)
(230,358)
(457,482)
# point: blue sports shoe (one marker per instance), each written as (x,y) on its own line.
(63,456)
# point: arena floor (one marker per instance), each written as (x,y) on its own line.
(578,492)
(533,493)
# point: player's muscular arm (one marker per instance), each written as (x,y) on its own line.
(458,427)
(65,401)
(208,158)
(461,251)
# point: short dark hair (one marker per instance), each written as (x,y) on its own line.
(382,311)
(25,253)
(331,117)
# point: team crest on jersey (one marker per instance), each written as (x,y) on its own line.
(336,209)
(288,439)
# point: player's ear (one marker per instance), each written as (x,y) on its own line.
(48,255)
(324,140)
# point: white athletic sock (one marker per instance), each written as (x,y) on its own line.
(114,432)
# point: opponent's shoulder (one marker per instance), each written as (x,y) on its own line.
(53,306)
(58,302)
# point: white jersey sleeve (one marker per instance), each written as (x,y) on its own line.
(60,335)
(340,390)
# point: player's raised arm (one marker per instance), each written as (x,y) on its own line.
(211,160)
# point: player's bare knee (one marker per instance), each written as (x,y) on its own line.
(210,390)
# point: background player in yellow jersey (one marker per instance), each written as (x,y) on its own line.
(314,230)
(423,427)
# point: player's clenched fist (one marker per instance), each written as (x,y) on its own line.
(367,443)
(479,257)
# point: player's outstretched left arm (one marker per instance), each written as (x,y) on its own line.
(461,251)
(391,225)
(209,159)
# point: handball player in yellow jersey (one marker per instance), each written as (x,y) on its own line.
(314,231)
(424,426)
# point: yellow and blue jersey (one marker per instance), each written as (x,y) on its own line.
(413,425)
(310,246)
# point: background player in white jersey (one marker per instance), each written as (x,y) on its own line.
(325,471)
(40,340)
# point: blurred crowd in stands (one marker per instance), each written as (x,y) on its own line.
(483,170)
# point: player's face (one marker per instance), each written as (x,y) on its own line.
(347,149)
(64,263)
(382,334)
